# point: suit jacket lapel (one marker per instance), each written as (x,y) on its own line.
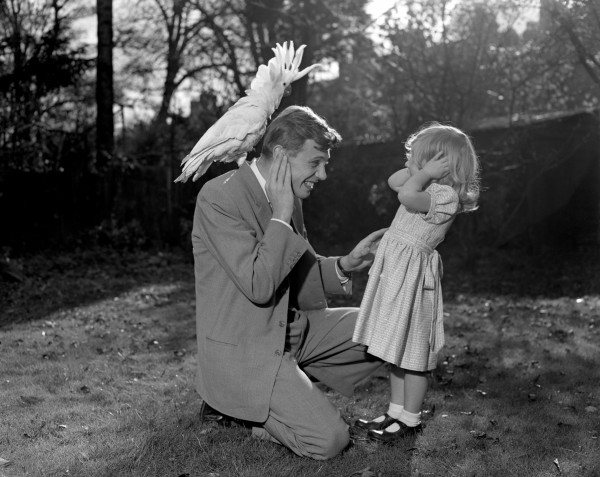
(297,218)
(298,221)
(261,208)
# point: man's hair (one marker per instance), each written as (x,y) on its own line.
(294,126)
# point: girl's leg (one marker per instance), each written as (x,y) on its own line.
(397,384)
(396,402)
(408,390)
(415,387)
(412,395)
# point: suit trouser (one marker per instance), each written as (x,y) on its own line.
(319,344)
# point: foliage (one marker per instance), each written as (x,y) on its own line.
(129,236)
(458,62)
(41,88)
(194,41)
(214,48)
(460,65)
(577,24)
(450,61)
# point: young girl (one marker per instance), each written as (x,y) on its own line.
(401,317)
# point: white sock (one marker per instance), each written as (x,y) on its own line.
(395,410)
(410,419)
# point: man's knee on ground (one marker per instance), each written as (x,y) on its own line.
(332,442)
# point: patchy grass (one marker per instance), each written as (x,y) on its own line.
(97,354)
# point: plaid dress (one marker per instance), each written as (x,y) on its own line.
(401,316)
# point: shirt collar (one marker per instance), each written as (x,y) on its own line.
(259,177)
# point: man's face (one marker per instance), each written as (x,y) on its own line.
(307,168)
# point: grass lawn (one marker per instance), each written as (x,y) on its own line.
(97,363)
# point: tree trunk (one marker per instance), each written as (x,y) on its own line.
(169,87)
(105,135)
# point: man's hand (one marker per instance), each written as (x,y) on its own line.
(363,254)
(437,167)
(279,189)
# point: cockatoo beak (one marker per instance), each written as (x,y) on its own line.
(287,90)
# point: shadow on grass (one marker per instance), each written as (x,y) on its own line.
(68,280)
(512,273)
(548,273)
(56,281)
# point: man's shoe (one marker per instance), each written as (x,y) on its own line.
(369,425)
(210,414)
(391,437)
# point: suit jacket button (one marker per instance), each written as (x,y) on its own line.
(282,323)
(277,352)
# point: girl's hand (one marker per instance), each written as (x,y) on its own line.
(437,167)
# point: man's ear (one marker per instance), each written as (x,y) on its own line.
(278,152)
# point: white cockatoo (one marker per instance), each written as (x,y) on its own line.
(242,126)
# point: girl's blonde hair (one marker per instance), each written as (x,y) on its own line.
(457,147)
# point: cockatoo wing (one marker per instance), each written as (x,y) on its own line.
(230,138)
(236,133)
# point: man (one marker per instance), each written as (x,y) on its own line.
(264,330)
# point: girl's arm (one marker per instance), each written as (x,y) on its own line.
(397,179)
(412,195)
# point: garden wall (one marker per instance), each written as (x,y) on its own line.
(540,188)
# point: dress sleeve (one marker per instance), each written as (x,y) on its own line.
(444,204)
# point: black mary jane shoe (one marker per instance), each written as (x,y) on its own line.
(370,425)
(390,437)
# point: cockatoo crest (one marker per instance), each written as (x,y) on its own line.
(242,126)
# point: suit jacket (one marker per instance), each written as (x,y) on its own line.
(245,266)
